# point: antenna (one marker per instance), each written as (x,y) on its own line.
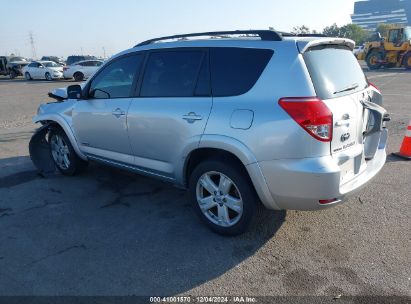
(33,48)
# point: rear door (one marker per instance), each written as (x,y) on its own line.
(340,82)
(172,109)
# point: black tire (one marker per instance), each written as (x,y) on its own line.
(407,61)
(27,76)
(12,74)
(76,164)
(373,60)
(78,76)
(48,76)
(241,181)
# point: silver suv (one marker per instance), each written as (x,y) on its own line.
(238,118)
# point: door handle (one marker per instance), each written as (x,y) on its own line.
(192,117)
(118,112)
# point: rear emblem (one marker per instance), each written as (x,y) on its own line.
(345,137)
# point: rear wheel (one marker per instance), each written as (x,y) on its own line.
(222,196)
(374,60)
(407,61)
(78,76)
(12,74)
(27,76)
(63,154)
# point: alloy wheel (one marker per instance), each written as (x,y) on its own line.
(219,199)
(60,151)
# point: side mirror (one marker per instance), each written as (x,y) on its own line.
(74,92)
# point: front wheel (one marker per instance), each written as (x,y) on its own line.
(223,196)
(63,154)
(48,76)
(374,60)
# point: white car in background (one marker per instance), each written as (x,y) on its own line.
(82,69)
(43,70)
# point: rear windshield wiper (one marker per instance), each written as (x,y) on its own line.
(349,88)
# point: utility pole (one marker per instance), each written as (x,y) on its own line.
(33,48)
(104,52)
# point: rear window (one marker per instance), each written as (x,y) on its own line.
(335,72)
(234,71)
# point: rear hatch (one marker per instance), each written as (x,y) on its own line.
(341,84)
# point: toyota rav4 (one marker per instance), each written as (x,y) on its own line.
(237,118)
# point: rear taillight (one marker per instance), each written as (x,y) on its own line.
(311,114)
(374,86)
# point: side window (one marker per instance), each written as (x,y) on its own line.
(393,37)
(98,63)
(116,79)
(234,71)
(203,81)
(171,73)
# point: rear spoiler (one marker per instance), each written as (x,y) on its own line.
(306,44)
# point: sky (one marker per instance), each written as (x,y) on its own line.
(98,27)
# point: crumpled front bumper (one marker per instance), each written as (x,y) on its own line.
(40,151)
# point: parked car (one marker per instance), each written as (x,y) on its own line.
(12,66)
(288,121)
(56,59)
(76,58)
(358,49)
(43,70)
(81,70)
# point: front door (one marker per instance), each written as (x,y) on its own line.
(172,110)
(100,121)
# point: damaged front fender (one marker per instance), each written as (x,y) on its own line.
(39,150)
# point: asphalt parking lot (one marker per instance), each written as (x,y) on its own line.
(108,232)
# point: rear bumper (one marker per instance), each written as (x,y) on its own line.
(299,184)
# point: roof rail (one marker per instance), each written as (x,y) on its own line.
(266,35)
(284,34)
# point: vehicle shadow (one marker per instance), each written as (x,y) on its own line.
(109,232)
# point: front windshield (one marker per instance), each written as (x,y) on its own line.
(51,64)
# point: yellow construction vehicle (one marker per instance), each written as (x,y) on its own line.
(391,51)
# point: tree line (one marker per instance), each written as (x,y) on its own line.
(350,30)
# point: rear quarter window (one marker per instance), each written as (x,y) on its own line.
(334,71)
(234,71)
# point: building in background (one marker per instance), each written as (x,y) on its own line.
(368,14)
